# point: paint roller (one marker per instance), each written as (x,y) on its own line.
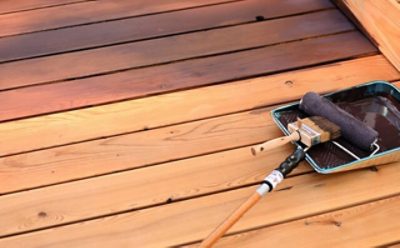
(324,114)
(352,129)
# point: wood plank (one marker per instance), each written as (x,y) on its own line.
(367,225)
(119,153)
(143,114)
(106,33)
(8,6)
(192,220)
(177,76)
(135,150)
(173,181)
(145,53)
(381,21)
(88,12)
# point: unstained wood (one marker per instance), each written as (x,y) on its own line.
(192,220)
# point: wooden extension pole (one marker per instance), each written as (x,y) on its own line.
(230,221)
(269,183)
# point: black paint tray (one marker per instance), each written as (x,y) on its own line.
(377,104)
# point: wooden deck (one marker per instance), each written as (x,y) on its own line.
(128,124)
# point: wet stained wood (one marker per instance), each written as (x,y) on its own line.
(151,112)
(150,26)
(192,220)
(88,12)
(178,76)
(146,53)
(360,226)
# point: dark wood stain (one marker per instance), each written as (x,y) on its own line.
(178,76)
(166,50)
(146,27)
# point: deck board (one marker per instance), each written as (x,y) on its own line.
(146,113)
(88,12)
(10,6)
(165,50)
(363,226)
(56,165)
(146,143)
(191,220)
(232,168)
(153,26)
(178,76)
(135,150)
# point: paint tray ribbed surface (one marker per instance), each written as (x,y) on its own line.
(377,104)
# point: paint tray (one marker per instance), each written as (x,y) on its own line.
(377,104)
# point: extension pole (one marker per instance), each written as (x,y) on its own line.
(230,221)
(269,183)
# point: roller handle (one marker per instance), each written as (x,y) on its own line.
(271,144)
(269,183)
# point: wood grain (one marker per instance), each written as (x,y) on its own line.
(178,76)
(165,170)
(145,53)
(88,12)
(191,220)
(365,225)
(145,27)
(161,184)
(151,112)
(135,150)
(381,21)
(8,6)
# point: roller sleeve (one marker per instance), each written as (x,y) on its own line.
(352,129)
